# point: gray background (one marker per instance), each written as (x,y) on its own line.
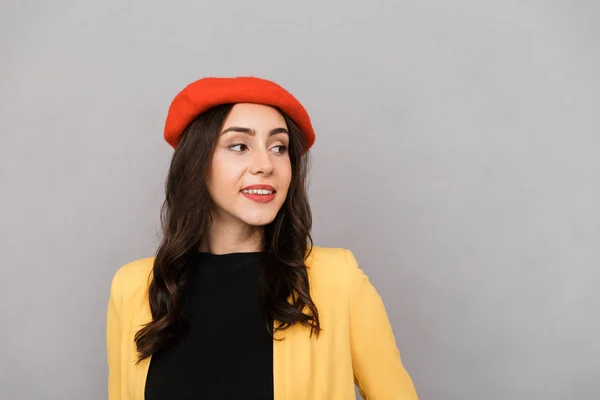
(457,156)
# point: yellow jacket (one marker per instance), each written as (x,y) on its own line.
(356,344)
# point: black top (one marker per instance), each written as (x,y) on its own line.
(227,352)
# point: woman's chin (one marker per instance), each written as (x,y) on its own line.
(259,220)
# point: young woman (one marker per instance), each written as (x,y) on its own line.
(237,303)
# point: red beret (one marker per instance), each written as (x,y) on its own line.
(206,93)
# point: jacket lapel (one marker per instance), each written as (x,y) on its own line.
(139,372)
(279,366)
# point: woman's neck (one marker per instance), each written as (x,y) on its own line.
(225,238)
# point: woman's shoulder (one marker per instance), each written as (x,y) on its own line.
(319,255)
(131,278)
(330,256)
(334,276)
(331,264)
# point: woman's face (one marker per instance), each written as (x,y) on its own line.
(251,153)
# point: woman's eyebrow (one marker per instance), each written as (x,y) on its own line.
(252,132)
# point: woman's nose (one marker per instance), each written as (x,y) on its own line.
(261,162)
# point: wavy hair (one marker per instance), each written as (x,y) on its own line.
(186,218)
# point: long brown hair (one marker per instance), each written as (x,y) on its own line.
(186,218)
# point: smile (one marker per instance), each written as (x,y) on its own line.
(257,191)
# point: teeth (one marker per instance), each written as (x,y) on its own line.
(258,191)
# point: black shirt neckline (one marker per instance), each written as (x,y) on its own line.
(204,258)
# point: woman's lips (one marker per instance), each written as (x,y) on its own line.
(260,198)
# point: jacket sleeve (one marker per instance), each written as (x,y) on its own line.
(113,342)
(378,370)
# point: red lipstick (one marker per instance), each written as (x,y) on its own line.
(259,196)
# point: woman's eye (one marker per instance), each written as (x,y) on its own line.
(238,147)
(280,149)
